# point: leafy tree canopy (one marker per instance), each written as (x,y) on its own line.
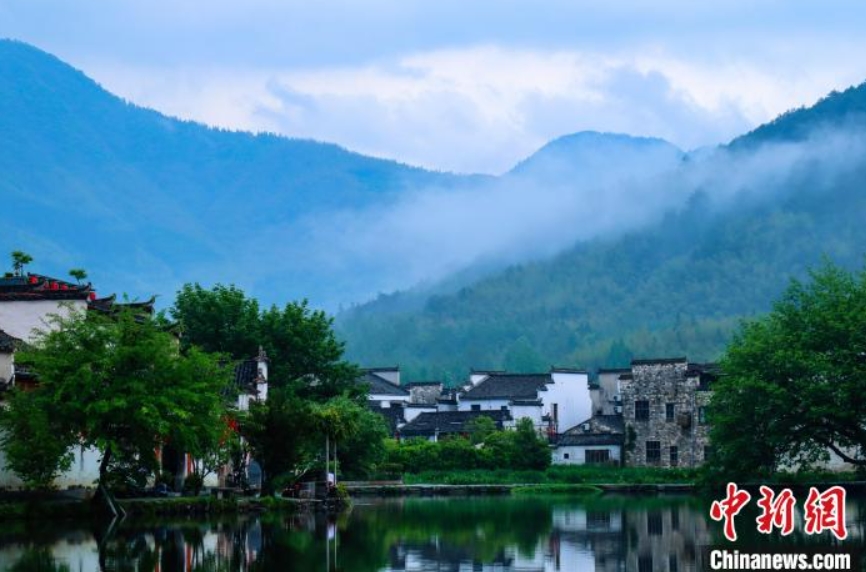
(794,383)
(118,383)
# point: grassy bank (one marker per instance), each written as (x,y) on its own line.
(582,474)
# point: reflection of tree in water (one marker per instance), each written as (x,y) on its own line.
(38,559)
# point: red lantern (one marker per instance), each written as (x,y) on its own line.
(33,279)
(92,296)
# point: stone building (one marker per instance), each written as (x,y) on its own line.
(664,405)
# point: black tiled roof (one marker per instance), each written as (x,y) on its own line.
(510,386)
(603,430)
(420,383)
(38,287)
(661,361)
(380,386)
(443,422)
(109,304)
(7,342)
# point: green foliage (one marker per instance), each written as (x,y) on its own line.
(795,380)
(120,384)
(556,474)
(300,342)
(521,449)
(31,440)
(480,429)
(19,261)
(79,274)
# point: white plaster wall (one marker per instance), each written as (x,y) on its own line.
(577,454)
(571,392)
(392,376)
(410,413)
(575,520)
(20,319)
(486,404)
(6,361)
(533,412)
(385,400)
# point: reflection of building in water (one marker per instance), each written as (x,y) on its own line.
(666,539)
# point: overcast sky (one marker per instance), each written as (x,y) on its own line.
(458,85)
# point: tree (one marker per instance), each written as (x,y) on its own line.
(794,383)
(480,429)
(19,261)
(301,344)
(118,383)
(36,450)
(79,274)
(280,435)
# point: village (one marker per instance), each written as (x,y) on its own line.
(651,414)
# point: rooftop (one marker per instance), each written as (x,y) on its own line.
(520,386)
(442,422)
(7,342)
(379,385)
(34,287)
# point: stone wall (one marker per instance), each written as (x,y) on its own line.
(663,384)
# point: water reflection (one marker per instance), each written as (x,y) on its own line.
(606,534)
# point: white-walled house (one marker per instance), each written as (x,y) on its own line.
(559,398)
(597,440)
(27,305)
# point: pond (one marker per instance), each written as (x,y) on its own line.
(609,533)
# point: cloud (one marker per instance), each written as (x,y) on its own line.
(480,108)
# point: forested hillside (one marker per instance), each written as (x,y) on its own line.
(146,202)
(762,211)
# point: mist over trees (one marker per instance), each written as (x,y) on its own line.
(760,213)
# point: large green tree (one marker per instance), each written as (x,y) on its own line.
(303,350)
(118,383)
(794,383)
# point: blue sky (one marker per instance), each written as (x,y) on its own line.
(463,86)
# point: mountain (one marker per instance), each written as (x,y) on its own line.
(146,202)
(756,213)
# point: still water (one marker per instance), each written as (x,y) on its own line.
(462,534)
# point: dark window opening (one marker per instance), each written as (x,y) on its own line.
(669,411)
(476,407)
(597,456)
(675,456)
(641,410)
(653,452)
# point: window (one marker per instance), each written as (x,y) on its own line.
(673,565)
(565,456)
(504,408)
(476,407)
(669,411)
(641,410)
(597,456)
(675,456)
(702,415)
(653,451)
(675,519)
(556,413)
(598,520)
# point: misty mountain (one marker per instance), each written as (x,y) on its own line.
(749,217)
(147,202)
